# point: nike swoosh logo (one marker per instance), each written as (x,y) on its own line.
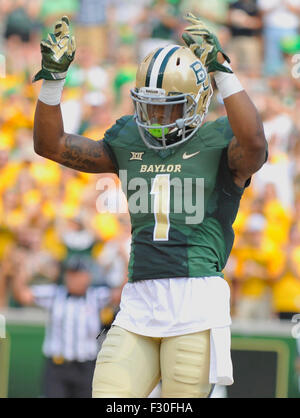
(187,156)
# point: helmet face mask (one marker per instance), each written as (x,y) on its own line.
(172,107)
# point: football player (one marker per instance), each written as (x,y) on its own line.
(174,319)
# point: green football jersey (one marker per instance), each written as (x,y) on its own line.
(182,201)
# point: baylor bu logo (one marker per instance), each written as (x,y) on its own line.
(136,156)
(198,69)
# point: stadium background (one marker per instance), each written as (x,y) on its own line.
(48,211)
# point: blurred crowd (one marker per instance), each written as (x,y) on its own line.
(48,212)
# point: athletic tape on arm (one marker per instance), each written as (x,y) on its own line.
(51,92)
(228,84)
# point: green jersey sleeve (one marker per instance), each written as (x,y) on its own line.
(112,138)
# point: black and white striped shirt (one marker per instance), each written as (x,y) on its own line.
(74,322)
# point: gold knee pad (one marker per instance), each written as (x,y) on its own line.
(185,363)
(127,365)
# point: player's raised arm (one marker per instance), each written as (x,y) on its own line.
(247,150)
(50,140)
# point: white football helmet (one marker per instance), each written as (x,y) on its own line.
(171,97)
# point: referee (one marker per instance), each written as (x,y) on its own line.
(70,345)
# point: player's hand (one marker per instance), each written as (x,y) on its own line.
(207,48)
(58,52)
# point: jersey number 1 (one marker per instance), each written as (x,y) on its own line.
(161,207)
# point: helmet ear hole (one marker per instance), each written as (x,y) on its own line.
(178,61)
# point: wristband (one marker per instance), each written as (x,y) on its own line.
(51,92)
(228,84)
